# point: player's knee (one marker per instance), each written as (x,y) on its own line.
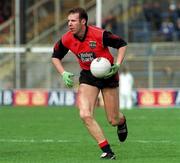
(85,116)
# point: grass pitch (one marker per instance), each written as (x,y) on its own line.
(57,135)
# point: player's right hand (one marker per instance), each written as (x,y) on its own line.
(67,78)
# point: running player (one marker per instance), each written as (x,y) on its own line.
(86,43)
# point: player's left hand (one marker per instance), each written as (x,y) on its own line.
(114,69)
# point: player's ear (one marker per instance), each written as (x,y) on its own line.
(83,21)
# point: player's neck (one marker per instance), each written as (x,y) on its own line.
(82,33)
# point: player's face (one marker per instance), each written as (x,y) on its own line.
(75,24)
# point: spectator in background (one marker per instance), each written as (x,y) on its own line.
(152,13)
(126,82)
(178,10)
(148,13)
(110,23)
(178,28)
(177,24)
(172,12)
(156,16)
(167,29)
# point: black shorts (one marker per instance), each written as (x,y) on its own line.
(87,78)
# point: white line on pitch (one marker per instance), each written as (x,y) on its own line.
(152,141)
(68,141)
(35,141)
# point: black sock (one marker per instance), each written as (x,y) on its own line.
(105,147)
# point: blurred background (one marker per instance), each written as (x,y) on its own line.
(29,29)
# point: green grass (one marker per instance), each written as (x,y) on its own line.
(57,135)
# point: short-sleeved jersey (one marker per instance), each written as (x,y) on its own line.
(92,46)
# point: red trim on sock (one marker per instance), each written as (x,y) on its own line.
(104,143)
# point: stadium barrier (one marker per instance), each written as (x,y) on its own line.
(32,97)
(35,97)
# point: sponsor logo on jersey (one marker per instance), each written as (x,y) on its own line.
(92,44)
(86,57)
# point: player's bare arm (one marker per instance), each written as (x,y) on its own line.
(121,55)
(58,65)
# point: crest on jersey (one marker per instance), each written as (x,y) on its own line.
(92,44)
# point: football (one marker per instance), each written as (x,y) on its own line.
(99,67)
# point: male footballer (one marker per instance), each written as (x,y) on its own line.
(86,43)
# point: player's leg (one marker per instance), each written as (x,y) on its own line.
(111,105)
(86,101)
(114,116)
